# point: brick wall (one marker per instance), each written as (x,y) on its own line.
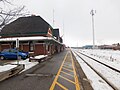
(5,46)
(40,49)
(25,47)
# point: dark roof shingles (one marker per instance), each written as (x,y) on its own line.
(26,26)
(56,33)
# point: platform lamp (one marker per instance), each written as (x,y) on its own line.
(93,13)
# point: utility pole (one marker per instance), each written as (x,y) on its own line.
(63,32)
(93,13)
(53,18)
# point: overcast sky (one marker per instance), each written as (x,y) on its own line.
(74,20)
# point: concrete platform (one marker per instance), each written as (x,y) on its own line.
(61,72)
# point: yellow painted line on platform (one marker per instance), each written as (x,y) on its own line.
(55,80)
(67,79)
(67,74)
(65,64)
(61,86)
(67,69)
(62,70)
(75,75)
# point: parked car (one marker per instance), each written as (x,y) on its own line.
(13,54)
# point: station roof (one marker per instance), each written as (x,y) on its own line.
(34,38)
(56,33)
(26,26)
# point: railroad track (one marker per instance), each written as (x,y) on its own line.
(117,70)
(88,59)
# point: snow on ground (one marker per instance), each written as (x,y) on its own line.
(112,76)
(97,82)
(109,57)
(26,62)
(40,56)
(7,67)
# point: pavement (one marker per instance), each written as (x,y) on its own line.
(62,72)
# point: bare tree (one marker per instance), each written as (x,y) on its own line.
(5,1)
(7,15)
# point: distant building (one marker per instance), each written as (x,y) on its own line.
(106,46)
(113,46)
(34,34)
(117,46)
(87,47)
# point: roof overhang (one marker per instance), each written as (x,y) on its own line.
(35,38)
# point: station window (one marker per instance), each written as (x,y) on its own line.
(31,46)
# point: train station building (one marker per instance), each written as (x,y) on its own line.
(34,35)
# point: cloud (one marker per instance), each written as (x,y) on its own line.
(75,16)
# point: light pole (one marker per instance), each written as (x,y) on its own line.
(93,13)
(53,18)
